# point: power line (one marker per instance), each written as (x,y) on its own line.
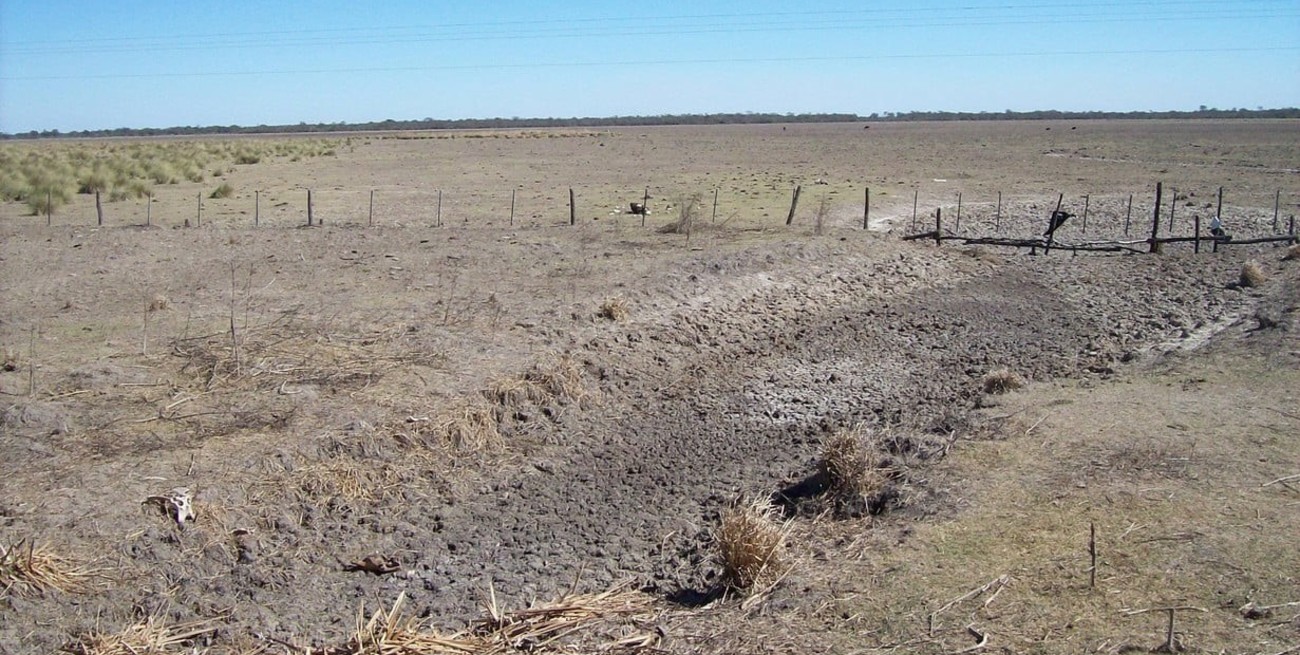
(663,62)
(1001,14)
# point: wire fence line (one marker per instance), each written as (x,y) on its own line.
(966,212)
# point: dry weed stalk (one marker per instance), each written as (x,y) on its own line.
(749,540)
(148,637)
(614,309)
(1252,275)
(26,568)
(1001,381)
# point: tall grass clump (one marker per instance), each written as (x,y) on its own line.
(749,543)
(223,191)
(1252,275)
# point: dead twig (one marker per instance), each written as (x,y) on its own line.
(981,637)
(1000,581)
(1283,479)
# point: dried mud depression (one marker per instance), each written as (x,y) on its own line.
(456,405)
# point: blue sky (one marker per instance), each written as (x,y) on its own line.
(133,63)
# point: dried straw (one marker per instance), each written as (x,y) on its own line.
(149,637)
(749,541)
(26,569)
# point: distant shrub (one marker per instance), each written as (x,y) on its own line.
(1252,275)
(223,191)
(247,159)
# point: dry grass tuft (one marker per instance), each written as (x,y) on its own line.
(536,629)
(749,541)
(148,637)
(854,470)
(469,427)
(158,303)
(1292,253)
(1252,275)
(27,569)
(1001,381)
(515,391)
(556,380)
(614,309)
(10,360)
(347,478)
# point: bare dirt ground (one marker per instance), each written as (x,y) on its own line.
(460,400)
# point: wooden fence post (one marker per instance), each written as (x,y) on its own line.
(198,216)
(715,205)
(49,207)
(438,212)
(957,226)
(1051,235)
(794,202)
(866,209)
(1277,198)
(512,207)
(1196,226)
(1218,209)
(257,208)
(148,209)
(99,210)
(370,217)
(1173,206)
(1128,215)
(997,218)
(309,214)
(645,205)
(1086,199)
(1155,220)
(573,210)
(938,226)
(916,193)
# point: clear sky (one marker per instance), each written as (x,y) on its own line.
(74,65)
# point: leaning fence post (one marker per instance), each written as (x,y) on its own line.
(1218,209)
(1128,215)
(1277,198)
(1173,206)
(794,202)
(957,226)
(1086,200)
(1155,220)
(1051,233)
(715,205)
(938,226)
(512,207)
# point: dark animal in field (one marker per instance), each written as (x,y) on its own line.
(639,209)
(1058,219)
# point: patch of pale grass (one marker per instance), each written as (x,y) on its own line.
(149,637)
(1001,381)
(347,478)
(614,309)
(749,542)
(27,569)
(469,427)
(1252,275)
(515,391)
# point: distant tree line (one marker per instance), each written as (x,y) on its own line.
(747,118)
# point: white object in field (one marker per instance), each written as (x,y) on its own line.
(177,503)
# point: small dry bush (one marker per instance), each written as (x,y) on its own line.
(1292,253)
(1001,381)
(1252,275)
(149,637)
(749,542)
(27,569)
(687,212)
(854,469)
(223,191)
(158,303)
(613,309)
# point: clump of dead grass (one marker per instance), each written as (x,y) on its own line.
(1252,275)
(347,478)
(27,569)
(749,542)
(1292,253)
(854,469)
(688,210)
(573,618)
(469,427)
(614,309)
(148,637)
(158,303)
(558,379)
(1001,381)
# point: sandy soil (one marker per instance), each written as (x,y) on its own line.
(300,382)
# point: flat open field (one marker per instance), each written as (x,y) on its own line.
(497,412)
